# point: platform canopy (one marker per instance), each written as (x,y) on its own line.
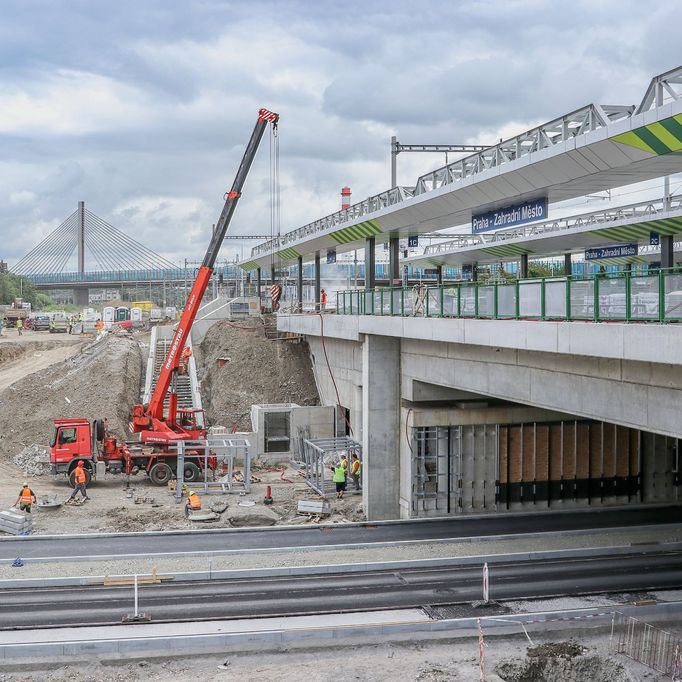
(593,149)
(641,225)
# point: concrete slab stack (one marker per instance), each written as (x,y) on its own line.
(15,522)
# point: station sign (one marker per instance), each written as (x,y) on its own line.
(331,255)
(613,251)
(654,239)
(412,242)
(509,216)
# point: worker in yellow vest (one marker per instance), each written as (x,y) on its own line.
(356,470)
(26,499)
(339,478)
(193,503)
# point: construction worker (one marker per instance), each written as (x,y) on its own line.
(20,325)
(184,359)
(193,503)
(79,477)
(99,326)
(2,324)
(26,499)
(356,470)
(339,478)
(323,299)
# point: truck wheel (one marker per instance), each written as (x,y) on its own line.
(72,477)
(160,473)
(191,472)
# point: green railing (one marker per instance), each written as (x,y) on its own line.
(653,296)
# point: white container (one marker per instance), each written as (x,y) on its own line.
(108,315)
(136,315)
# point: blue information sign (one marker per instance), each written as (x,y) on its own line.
(613,251)
(519,214)
(654,239)
(412,242)
(331,255)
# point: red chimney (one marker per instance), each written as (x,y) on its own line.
(345,197)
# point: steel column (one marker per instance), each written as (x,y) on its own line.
(523,273)
(568,265)
(439,275)
(259,283)
(667,251)
(299,284)
(370,262)
(317,280)
(394,261)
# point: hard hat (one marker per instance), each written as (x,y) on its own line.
(25,485)
(81,462)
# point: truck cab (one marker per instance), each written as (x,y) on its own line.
(72,440)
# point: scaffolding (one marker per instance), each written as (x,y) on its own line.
(229,453)
(321,452)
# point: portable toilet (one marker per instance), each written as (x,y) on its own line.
(122,314)
(136,316)
(171,312)
(108,315)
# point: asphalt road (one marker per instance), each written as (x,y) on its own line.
(424,587)
(33,547)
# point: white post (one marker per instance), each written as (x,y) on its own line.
(486,586)
(136,614)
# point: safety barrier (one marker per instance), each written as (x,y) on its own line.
(647,644)
(651,296)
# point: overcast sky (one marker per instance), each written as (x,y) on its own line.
(142,108)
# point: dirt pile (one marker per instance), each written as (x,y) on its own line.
(103,380)
(11,351)
(240,367)
(561,662)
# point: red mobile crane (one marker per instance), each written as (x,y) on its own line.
(76,439)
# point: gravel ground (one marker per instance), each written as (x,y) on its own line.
(256,371)
(580,657)
(300,557)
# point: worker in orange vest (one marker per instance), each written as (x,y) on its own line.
(193,503)
(80,478)
(26,499)
(323,299)
(99,326)
(184,359)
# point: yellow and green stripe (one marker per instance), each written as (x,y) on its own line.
(626,233)
(369,228)
(506,250)
(288,254)
(249,265)
(661,137)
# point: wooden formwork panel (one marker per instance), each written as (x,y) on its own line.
(582,455)
(596,454)
(609,455)
(569,456)
(528,453)
(503,450)
(555,465)
(542,452)
(622,451)
(514,455)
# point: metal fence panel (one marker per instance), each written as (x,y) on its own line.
(450,296)
(506,300)
(644,297)
(486,299)
(613,298)
(582,299)
(673,296)
(555,298)
(468,300)
(530,299)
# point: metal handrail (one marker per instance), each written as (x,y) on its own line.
(652,296)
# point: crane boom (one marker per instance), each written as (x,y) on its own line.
(151,415)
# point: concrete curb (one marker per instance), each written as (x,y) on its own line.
(235,574)
(360,524)
(333,547)
(177,645)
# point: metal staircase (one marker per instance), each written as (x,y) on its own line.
(183,383)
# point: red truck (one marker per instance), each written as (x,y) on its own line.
(158,429)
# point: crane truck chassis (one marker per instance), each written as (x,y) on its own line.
(158,429)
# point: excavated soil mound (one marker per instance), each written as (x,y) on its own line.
(10,351)
(242,367)
(103,380)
